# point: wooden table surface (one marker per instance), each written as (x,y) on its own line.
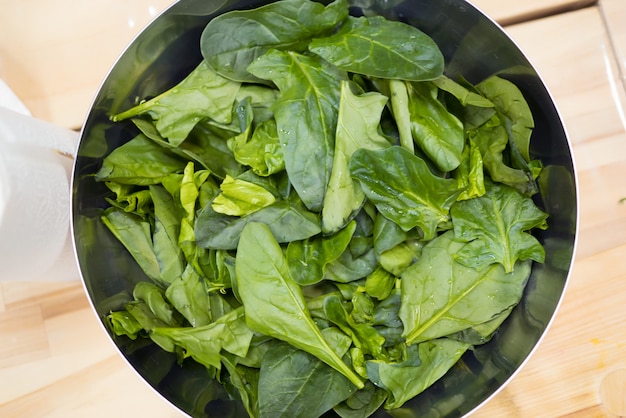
(56,361)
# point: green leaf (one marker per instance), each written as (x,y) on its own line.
(167,220)
(495,228)
(262,152)
(240,198)
(202,94)
(140,162)
(135,235)
(308,258)
(363,403)
(306,118)
(188,295)
(123,323)
(293,383)
(154,297)
(357,127)
(380,283)
(464,95)
(274,304)
(510,102)
(288,221)
(435,130)
(470,174)
(441,296)
(233,40)
(403,188)
(364,335)
(204,343)
(377,47)
(426,363)
(491,138)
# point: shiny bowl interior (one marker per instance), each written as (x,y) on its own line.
(474,46)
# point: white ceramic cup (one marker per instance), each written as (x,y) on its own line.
(36,160)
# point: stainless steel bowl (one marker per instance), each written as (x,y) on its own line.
(475,47)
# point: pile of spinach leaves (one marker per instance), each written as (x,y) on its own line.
(327,221)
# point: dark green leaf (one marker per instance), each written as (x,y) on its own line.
(139,161)
(276,305)
(403,188)
(510,102)
(435,130)
(293,383)
(233,40)
(440,296)
(377,47)
(308,258)
(426,363)
(306,118)
(288,221)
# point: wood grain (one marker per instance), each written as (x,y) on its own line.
(55,360)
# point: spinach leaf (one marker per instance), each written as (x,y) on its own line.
(276,305)
(470,173)
(140,162)
(306,118)
(491,138)
(124,323)
(438,132)
(204,343)
(426,363)
(262,153)
(288,220)
(308,258)
(357,127)
(233,40)
(377,47)
(510,102)
(202,94)
(293,383)
(166,232)
(239,197)
(440,296)
(380,283)
(466,96)
(350,267)
(362,403)
(135,235)
(154,297)
(245,380)
(188,295)
(403,188)
(399,95)
(495,227)
(400,257)
(364,335)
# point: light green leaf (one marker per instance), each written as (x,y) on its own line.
(202,94)
(240,198)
